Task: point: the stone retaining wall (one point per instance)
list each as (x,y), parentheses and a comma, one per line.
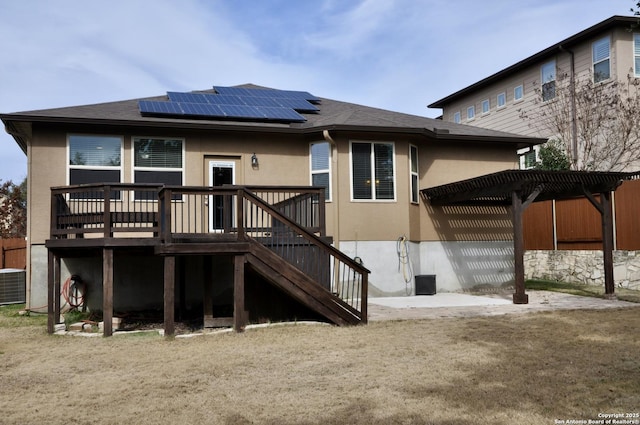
(585,267)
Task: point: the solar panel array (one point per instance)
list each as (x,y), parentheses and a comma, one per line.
(235,103)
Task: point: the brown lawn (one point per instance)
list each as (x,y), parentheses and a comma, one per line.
(518,369)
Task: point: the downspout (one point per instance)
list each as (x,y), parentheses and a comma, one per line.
(574,121)
(335,195)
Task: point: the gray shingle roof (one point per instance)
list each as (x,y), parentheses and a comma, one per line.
(333,115)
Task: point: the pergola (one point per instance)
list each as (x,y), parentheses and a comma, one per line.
(519,188)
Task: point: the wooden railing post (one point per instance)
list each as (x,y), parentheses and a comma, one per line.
(322,213)
(240,213)
(165,212)
(108,231)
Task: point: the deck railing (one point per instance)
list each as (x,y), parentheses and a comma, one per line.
(289,221)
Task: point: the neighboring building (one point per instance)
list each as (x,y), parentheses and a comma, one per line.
(371,162)
(607,51)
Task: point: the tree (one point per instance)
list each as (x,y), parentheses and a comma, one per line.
(553,156)
(597,122)
(13,209)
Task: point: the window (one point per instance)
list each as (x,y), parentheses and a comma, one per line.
(413,172)
(485,106)
(501,100)
(548,79)
(157,161)
(95,159)
(321,167)
(471,113)
(456,117)
(372,171)
(518,93)
(601,51)
(636,54)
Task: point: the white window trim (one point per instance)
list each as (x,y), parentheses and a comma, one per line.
(373,192)
(487,102)
(555,70)
(471,109)
(521,98)
(93,167)
(414,173)
(328,170)
(133,161)
(504,105)
(457,117)
(608,58)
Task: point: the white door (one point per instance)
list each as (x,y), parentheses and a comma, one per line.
(221,173)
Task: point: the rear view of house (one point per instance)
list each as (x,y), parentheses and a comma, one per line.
(242,204)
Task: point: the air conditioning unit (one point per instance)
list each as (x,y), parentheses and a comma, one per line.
(12,286)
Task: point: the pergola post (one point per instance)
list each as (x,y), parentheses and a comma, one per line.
(607,244)
(519,297)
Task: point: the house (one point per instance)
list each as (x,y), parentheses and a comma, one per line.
(226,195)
(515,100)
(511,99)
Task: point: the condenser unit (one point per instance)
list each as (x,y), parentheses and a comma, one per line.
(12,286)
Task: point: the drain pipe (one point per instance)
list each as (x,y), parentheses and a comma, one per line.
(334,195)
(574,123)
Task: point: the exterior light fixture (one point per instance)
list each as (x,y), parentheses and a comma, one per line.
(254,161)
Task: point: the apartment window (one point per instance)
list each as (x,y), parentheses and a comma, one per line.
(548,79)
(372,171)
(518,93)
(501,100)
(94,159)
(485,106)
(321,167)
(601,64)
(157,161)
(456,117)
(471,113)
(413,174)
(636,54)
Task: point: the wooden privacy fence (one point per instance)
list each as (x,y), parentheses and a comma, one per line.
(13,253)
(574,224)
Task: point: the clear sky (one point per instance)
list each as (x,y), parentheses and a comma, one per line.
(399,55)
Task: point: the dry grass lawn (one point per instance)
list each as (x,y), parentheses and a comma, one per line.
(518,369)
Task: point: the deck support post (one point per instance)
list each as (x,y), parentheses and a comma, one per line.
(239,312)
(53,291)
(107,291)
(169,295)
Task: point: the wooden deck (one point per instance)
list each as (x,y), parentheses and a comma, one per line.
(279,232)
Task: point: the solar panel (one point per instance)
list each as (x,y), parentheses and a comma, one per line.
(240,91)
(159,107)
(235,103)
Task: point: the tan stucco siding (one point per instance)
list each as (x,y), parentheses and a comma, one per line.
(449,163)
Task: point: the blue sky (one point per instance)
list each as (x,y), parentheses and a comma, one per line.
(394,54)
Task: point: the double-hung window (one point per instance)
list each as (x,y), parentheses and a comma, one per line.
(601,60)
(501,100)
(518,93)
(485,106)
(94,159)
(548,78)
(471,113)
(636,54)
(413,172)
(372,171)
(321,167)
(158,161)
(456,117)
